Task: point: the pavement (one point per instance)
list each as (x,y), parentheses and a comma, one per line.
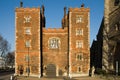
(6,75)
(59,78)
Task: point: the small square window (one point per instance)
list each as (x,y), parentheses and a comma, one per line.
(79,44)
(79,69)
(27,58)
(79,31)
(79,18)
(54,43)
(27,19)
(28,31)
(27,44)
(79,57)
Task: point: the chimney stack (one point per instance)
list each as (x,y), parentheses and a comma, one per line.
(43,9)
(21,4)
(82,5)
(64,11)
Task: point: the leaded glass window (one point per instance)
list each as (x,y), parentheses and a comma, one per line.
(27,19)
(27,31)
(79,18)
(79,44)
(54,43)
(79,56)
(27,43)
(79,31)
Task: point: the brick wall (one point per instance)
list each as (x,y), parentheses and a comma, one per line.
(43,53)
(79,66)
(58,56)
(32,35)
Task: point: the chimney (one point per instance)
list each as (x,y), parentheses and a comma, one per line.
(43,9)
(64,11)
(82,5)
(21,4)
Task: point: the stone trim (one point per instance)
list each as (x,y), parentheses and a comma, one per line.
(70,43)
(59,47)
(15,43)
(79,75)
(55,33)
(39,46)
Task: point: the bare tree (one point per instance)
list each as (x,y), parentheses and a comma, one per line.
(10,59)
(4,49)
(4,46)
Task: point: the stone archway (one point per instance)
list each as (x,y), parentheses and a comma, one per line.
(117,58)
(51,70)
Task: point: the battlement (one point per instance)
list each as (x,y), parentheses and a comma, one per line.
(79,9)
(54,30)
(21,9)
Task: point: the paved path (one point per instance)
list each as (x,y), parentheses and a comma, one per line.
(5,75)
(80,78)
(88,78)
(62,78)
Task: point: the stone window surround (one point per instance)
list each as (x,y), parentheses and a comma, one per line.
(27,19)
(27,58)
(79,69)
(79,19)
(57,38)
(79,57)
(26,32)
(79,44)
(79,31)
(28,45)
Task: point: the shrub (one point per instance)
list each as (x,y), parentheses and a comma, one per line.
(100,71)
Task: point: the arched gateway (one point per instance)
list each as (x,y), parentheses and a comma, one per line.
(51,70)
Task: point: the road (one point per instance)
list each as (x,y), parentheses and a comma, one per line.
(5,75)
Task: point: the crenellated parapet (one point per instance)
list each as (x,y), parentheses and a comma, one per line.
(82,9)
(55,30)
(27,9)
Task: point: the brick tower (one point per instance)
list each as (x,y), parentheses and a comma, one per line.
(79,41)
(27,53)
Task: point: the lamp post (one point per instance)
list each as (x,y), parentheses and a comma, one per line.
(28,68)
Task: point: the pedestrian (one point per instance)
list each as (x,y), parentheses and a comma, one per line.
(11,77)
(93,70)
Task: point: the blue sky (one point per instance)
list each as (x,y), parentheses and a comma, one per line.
(53,12)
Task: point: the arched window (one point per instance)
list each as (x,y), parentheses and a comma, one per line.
(54,43)
(79,69)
